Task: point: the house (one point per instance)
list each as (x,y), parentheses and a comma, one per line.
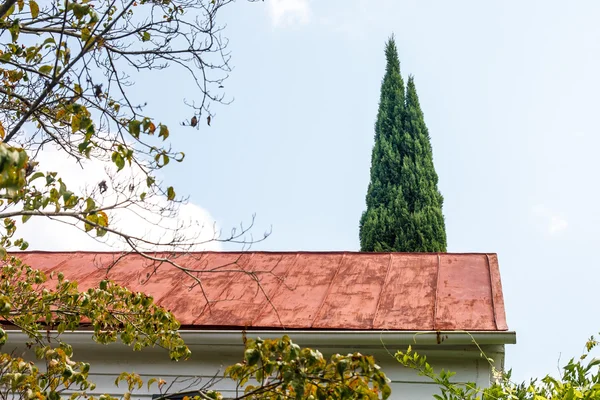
(375,303)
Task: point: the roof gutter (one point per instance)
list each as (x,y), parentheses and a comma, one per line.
(315,338)
(344,338)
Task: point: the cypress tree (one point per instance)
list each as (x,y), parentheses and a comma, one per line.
(404,205)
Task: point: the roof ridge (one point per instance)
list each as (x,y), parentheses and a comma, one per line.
(354,252)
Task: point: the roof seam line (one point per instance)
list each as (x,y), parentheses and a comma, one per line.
(233,275)
(275,291)
(312,324)
(437,284)
(489,265)
(385,281)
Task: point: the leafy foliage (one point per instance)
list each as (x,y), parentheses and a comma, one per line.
(28,301)
(404,206)
(279,369)
(44,307)
(65,72)
(65,83)
(23,379)
(580,379)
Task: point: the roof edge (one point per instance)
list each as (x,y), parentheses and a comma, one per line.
(317,338)
(245,252)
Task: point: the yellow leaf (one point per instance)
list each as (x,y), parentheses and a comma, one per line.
(35,9)
(85,34)
(102,218)
(60,114)
(2,131)
(75,123)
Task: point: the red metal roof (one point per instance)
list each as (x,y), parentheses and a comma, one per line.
(304,290)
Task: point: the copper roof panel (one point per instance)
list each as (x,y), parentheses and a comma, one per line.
(409,294)
(299,298)
(302,290)
(353,294)
(245,295)
(472,296)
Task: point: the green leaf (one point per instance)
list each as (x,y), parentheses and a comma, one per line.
(14,30)
(90,204)
(386,392)
(123,375)
(146,124)
(170,193)
(119,161)
(252,356)
(93,218)
(45,69)
(25,218)
(150,382)
(145,36)
(80,10)
(134,128)
(164,132)
(35,176)
(48,41)
(35,9)
(85,34)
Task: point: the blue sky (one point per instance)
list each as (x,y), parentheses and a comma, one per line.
(510,95)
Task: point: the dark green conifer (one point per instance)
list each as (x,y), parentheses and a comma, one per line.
(404,205)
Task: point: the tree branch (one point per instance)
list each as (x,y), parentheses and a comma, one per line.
(6,6)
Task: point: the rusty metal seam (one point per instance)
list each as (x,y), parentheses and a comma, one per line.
(204,258)
(489,264)
(233,275)
(385,281)
(218,297)
(276,290)
(337,271)
(63,262)
(435,300)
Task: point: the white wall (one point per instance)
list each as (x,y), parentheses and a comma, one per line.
(207,360)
